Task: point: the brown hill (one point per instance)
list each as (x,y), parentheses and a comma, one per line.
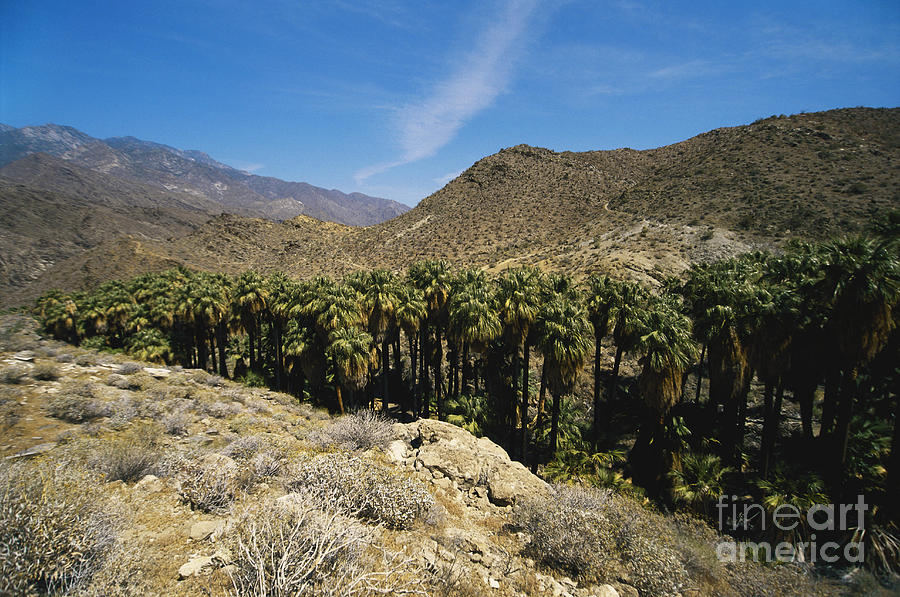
(643,214)
(51,210)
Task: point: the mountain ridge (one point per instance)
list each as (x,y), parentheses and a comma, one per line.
(194,171)
(644,214)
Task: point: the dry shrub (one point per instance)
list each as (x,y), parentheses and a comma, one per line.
(268,463)
(86,360)
(593,534)
(129,455)
(129,368)
(13,374)
(57,528)
(361,430)
(245,447)
(75,403)
(299,550)
(177,423)
(220,410)
(363,488)
(208,488)
(208,379)
(65,357)
(45,372)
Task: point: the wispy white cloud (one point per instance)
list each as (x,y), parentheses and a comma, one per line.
(442,180)
(252,167)
(424,127)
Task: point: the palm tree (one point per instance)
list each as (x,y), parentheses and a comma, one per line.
(352,354)
(698,482)
(281,306)
(433,279)
(59,314)
(861,282)
(564,338)
(381,297)
(411,311)
(668,350)
(518,296)
(628,306)
(249,298)
(472,318)
(601,299)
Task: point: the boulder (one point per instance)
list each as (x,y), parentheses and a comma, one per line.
(446,450)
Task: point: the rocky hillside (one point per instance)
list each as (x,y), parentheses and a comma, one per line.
(639,214)
(51,210)
(162,481)
(194,172)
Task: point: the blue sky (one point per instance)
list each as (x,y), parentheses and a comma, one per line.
(394,98)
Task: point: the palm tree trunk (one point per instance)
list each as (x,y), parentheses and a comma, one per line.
(426,383)
(768,422)
(805,397)
(251,333)
(340,399)
(385,356)
(259,341)
(279,361)
(613,383)
(526,352)
(221,341)
(598,352)
(742,417)
(842,429)
(700,373)
(466,369)
(438,374)
(413,354)
(201,347)
(893,480)
(515,415)
(554,425)
(542,396)
(829,405)
(212,350)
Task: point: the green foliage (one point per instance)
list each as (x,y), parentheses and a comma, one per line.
(698,483)
(253,379)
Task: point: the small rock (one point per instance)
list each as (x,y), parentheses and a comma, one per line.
(396,451)
(627,591)
(203,529)
(493,583)
(157,372)
(605,591)
(33,451)
(194,566)
(149,484)
(24,355)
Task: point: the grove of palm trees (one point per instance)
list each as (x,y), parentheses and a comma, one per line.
(775,377)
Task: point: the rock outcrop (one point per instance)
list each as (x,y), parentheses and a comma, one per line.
(446,451)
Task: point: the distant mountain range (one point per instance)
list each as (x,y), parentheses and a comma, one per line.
(636,214)
(195,173)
